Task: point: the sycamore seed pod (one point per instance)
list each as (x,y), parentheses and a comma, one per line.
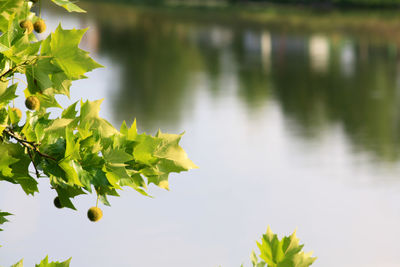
(94,214)
(39,26)
(27,25)
(57,203)
(32,103)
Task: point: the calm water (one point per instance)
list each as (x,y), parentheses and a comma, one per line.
(290,129)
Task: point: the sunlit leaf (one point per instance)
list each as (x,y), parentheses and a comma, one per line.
(68,5)
(286,252)
(45,263)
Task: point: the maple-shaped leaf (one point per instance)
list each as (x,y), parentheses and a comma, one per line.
(63,47)
(283,253)
(170,150)
(162,155)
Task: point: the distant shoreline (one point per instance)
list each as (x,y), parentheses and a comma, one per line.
(373,24)
(326,5)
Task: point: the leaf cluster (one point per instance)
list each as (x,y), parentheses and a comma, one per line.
(80,152)
(45,263)
(3,218)
(286,252)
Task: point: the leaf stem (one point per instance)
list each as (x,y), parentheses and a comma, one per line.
(18,80)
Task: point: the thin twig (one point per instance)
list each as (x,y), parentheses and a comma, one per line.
(23,141)
(45,155)
(27,144)
(25,63)
(33,162)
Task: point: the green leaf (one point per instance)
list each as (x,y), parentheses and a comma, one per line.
(13,116)
(70,172)
(66,192)
(254,260)
(14,167)
(72,147)
(62,46)
(169,149)
(116,157)
(3,219)
(302,260)
(19,264)
(3,216)
(39,75)
(45,263)
(58,126)
(6,161)
(162,155)
(7,94)
(68,5)
(283,253)
(3,119)
(70,112)
(144,150)
(61,83)
(89,119)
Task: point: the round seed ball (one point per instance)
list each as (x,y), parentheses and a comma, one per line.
(39,26)
(94,214)
(27,25)
(57,203)
(32,103)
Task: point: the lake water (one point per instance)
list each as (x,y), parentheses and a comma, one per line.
(291,127)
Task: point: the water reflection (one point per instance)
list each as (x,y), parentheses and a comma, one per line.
(157,61)
(319,53)
(318,80)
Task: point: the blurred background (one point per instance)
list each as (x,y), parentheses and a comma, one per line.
(292,113)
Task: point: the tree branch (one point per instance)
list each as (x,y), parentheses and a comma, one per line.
(26,63)
(29,145)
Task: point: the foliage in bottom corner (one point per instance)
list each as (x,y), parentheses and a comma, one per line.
(3,219)
(3,216)
(286,252)
(45,263)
